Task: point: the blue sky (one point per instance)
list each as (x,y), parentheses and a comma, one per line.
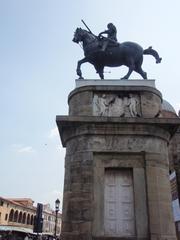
(37,72)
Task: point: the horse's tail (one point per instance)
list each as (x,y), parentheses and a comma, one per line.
(150,51)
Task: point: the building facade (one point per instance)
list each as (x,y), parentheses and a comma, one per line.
(49,218)
(174,165)
(17,216)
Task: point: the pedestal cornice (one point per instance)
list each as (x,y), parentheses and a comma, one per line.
(71,126)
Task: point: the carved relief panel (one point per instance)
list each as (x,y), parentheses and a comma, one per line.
(116,105)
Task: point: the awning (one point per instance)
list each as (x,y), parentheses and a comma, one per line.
(14,228)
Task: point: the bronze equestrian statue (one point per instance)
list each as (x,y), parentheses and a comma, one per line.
(101,52)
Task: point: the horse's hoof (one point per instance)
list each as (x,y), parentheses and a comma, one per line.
(81,78)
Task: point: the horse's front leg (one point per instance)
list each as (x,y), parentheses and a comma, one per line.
(78,70)
(100,70)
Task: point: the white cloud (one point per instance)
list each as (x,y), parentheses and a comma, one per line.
(16,146)
(54,133)
(27,149)
(19,148)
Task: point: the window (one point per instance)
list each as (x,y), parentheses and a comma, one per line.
(20,217)
(1,202)
(16,216)
(32,220)
(28,219)
(6,216)
(11,215)
(24,218)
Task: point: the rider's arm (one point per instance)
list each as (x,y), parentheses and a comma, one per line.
(106,32)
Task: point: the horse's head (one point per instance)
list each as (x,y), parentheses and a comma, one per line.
(78,35)
(84,36)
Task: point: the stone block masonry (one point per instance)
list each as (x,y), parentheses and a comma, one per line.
(116,182)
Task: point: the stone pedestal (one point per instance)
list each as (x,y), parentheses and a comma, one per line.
(116,167)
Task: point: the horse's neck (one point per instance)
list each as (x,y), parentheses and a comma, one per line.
(88,39)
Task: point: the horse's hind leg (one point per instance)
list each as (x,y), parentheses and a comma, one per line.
(131,69)
(128,74)
(142,73)
(139,70)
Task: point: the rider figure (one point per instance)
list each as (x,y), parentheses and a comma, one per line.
(111,36)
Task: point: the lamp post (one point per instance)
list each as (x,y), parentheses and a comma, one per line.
(57,203)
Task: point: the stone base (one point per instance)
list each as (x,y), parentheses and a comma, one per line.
(116,100)
(116,143)
(115,82)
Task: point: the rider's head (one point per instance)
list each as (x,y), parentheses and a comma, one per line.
(110,25)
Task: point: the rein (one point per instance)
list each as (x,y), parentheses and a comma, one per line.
(80,44)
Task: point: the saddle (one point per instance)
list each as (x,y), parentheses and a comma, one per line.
(110,42)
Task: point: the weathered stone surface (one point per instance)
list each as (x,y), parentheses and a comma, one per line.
(150,104)
(96,143)
(126,101)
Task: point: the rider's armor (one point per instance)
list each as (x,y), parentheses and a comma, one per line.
(111,36)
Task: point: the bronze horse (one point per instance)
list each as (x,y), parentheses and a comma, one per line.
(129,54)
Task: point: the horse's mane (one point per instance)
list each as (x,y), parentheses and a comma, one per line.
(89,33)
